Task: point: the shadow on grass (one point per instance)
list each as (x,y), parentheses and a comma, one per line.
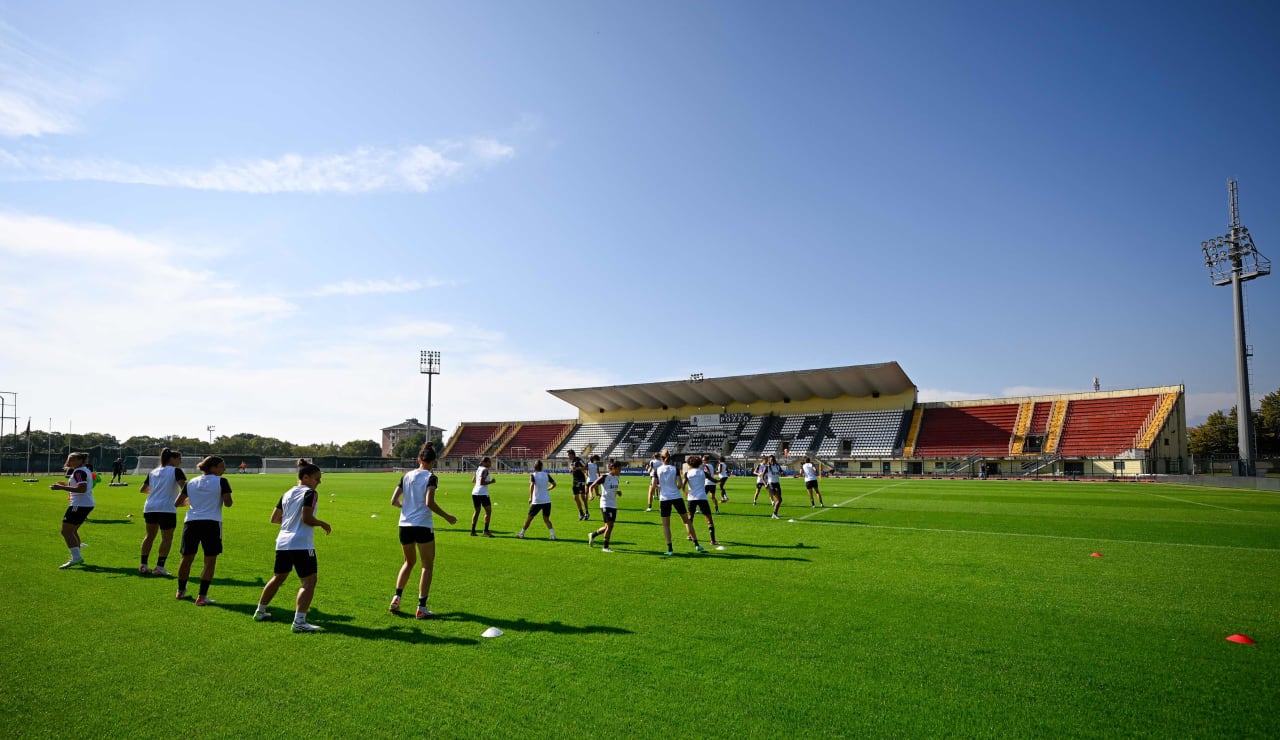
(525,625)
(758,546)
(108,521)
(340,624)
(111,570)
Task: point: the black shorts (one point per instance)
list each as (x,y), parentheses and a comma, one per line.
(477,501)
(579,488)
(76,514)
(811,485)
(608,515)
(675,503)
(302,561)
(709,489)
(776,488)
(203,534)
(699,503)
(417,535)
(166,519)
(544,508)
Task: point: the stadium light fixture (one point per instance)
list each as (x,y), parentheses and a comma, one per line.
(696,378)
(210,429)
(429,365)
(1233,259)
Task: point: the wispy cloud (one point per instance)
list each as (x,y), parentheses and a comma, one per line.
(369,169)
(367,287)
(40,92)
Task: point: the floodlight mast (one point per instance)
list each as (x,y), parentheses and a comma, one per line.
(1232,260)
(429,365)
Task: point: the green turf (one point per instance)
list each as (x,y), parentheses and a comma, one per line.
(915,608)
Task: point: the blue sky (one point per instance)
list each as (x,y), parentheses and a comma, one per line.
(254,215)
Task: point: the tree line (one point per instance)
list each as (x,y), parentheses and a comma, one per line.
(1218,435)
(235,444)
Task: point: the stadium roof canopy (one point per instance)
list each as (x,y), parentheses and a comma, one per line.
(797,385)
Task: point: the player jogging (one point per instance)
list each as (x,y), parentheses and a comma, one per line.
(773,479)
(669,497)
(810,472)
(295,547)
(701,493)
(607,486)
(416,499)
(202,526)
(79,488)
(651,468)
(722,474)
(759,471)
(541,484)
(480,497)
(578,470)
(708,472)
(161,486)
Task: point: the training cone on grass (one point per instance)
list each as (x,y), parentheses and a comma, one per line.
(491,632)
(1242,639)
(1095,554)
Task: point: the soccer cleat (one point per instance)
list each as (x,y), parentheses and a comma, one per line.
(158,571)
(520,535)
(181,595)
(698,548)
(605,549)
(204,601)
(395,605)
(714,543)
(424,613)
(551,537)
(71,562)
(649,509)
(304,627)
(261,616)
(591,539)
(473,533)
(142,570)
(488,534)
(775,516)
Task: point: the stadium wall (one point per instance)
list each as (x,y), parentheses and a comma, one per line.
(903,401)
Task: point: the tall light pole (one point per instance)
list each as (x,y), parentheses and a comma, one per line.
(210,429)
(429,365)
(1233,259)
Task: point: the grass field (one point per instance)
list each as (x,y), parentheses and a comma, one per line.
(913,608)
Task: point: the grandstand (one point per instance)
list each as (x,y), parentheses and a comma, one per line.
(862,419)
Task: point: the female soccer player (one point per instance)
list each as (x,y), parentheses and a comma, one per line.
(759,470)
(811,481)
(773,478)
(669,497)
(202,527)
(700,493)
(651,468)
(722,474)
(416,499)
(710,487)
(79,488)
(541,484)
(161,486)
(578,472)
(296,546)
(607,486)
(480,496)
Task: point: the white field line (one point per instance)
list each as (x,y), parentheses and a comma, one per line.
(855,498)
(1055,537)
(1187,501)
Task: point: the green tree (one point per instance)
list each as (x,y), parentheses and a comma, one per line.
(361,448)
(1216,436)
(1266,423)
(409,446)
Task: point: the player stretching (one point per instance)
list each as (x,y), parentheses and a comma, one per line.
(79,488)
(416,499)
(651,468)
(696,485)
(161,486)
(669,497)
(811,482)
(541,484)
(202,527)
(607,486)
(296,547)
(480,497)
(773,478)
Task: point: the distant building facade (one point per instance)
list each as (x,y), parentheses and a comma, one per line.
(407,428)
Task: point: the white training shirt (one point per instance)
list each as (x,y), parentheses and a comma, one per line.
(163,483)
(759,471)
(722,469)
(668,483)
(414,511)
(609,485)
(296,534)
(75,478)
(697,478)
(205,494)
(593,470)
(773,473)
(541,487)
(481,488)
(652,466)
(810,471)
(711,476)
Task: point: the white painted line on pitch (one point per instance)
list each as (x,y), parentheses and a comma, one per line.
(855,498)
(1188,501)
(1054,537)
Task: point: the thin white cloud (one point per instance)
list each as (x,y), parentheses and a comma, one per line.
(367,287)
(417,169)
(40,92)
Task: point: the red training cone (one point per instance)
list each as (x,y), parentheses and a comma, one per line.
(1242,639)
(1095,554)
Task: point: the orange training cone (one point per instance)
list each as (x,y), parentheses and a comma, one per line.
(1095,554)
(1242,639)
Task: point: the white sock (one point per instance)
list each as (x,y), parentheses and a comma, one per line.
(552,531)
(262,609)
(75,553)
(522,532)
(299,617)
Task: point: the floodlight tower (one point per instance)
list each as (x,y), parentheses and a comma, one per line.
(429,365)
(1233,259)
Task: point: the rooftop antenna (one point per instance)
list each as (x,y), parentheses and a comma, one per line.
(1232,260)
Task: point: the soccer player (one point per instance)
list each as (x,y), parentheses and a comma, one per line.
(773,479)
(722,474)
(593,472)
(811,482)
(700,492)
(161,486)
(295,512)
(117,470)
(669,497)
(709,474)
(416,499)
(480,496)
(202,526)
(759,470)
(579,472)
(607,486)
(651,468)
(79,488)
(541,484)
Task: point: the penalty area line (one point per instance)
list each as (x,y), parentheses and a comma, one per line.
(855,498)
(1188,501)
